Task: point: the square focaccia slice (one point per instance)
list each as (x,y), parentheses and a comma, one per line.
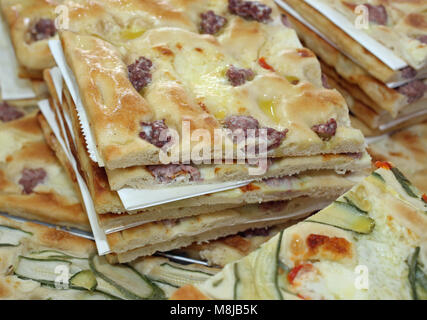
(42,263)
(34,184)
(349,250)
(193,77)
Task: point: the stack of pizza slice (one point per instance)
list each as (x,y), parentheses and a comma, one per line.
(155,85)
(385,87)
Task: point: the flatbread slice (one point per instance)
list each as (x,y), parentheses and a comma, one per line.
(33,183)
(170,234)
(377,228)
(204,111)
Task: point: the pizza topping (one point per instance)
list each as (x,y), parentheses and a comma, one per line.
(238,77)
(414,90)
(31,178)
(326,130)
(408,72)
(169,172)
(424,197)
(250,10)
(383,164)
(325,82)
(140,73)
(423,39)
(274,206)
(43,29)
(285,20)
(354,155)
(306,267)
(240,125)
(264,64)
(377,14)
(9,113)
(339,246)
(275,138)
(260,232)
(152,132)
(211,22)
(238,242)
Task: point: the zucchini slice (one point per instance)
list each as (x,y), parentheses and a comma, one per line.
(84,279)
(236,281)
(41,270)
(129,282)
(417,278)
(11,237)
(404,182)
(344,216)
(177,275)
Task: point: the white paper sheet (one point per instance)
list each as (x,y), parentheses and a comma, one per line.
(12,87)
(402,119)
(99,235)
(70,81)
(134,199)
(383,53)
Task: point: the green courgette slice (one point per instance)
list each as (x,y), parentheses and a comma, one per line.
(84,279)
(236,281)
(417,278)
(45,271)
(128,281)
(344,216)
(177,275)
(404,182)
(11,237)
(378,176)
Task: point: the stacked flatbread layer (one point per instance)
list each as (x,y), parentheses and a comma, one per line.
(361,77)
(147,67)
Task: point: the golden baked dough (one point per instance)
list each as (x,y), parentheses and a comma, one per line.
(33,183)
(324,257)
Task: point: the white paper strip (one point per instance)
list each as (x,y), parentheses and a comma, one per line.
(70,81)
(134,199)
(383,53)
(12,87)
(98,233)
(402,119)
